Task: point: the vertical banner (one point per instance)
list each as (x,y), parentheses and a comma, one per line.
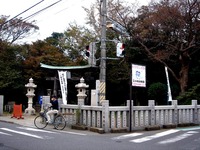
(168,86)
(63,85)
(138,75)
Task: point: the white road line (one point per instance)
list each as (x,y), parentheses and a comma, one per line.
(57,132)
(5,133)
(127,136)
(75,133)
(189,129)
(22,133)
(175,139)
(148,138)
(37,130)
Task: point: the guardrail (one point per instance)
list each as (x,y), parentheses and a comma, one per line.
(111,118)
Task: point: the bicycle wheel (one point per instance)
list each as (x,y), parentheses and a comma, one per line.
(59,122)
(40,122)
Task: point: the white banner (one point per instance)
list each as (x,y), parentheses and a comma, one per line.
(168,86)
(63,85)
(138,75)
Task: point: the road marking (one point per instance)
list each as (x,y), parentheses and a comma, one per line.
(40,130)
(189,129)
(148,138)
(177,138)
(75,133)
(5,133)
(127,136)
(22,133)
(37,130)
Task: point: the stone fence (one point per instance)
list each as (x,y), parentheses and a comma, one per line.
(113,118)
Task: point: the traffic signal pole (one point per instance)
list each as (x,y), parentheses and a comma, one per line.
(102,76)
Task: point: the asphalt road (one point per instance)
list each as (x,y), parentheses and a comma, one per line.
(17,137)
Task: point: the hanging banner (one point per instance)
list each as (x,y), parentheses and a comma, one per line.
(168,86)
(63,85)
(138,75)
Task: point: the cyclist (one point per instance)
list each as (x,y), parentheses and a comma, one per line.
(54,108)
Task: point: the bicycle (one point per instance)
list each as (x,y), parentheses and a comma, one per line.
(59,122)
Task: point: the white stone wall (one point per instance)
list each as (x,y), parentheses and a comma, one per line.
(113,117)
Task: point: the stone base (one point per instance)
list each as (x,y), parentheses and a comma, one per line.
(186,124)
(79,127)
(169,126)
(29,111)
(98,130)
(150,128)
(119,130)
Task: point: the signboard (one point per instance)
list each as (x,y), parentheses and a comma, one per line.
(63,85)
(138,75)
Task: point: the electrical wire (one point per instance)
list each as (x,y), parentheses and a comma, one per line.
(22,12)
(32,15)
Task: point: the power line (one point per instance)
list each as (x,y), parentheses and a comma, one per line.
(41,10)
(22,12)
(30,16)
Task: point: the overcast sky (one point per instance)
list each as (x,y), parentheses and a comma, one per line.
(53,19)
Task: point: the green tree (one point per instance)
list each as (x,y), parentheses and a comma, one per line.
(191,94)
(11,78)
(158,92)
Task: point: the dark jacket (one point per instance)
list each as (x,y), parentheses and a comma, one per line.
(54,104)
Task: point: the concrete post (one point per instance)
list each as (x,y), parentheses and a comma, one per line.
(152,107)
(1,104)
(105,115)
(174,103)
(130,120)
(195,119)
(102,75)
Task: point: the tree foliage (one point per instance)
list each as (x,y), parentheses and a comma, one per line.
(15,29)
(158,92)
(168,31)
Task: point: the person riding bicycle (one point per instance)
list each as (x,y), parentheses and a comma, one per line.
(54,108)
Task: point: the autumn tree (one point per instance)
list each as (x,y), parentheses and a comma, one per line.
(169,31)
(41,52)
(15,29)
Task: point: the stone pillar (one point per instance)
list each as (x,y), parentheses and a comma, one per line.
(174,103)
(1,105)
(49,92)
(81,88)
(195,113)
(152,108)
(130,120)
(105,115)
(30,94)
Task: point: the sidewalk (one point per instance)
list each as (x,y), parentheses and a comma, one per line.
(28,121)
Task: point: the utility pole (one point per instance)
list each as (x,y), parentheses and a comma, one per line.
(103,52)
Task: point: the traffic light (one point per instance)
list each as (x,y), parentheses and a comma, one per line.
(90,53)
(120,49)
(87,51)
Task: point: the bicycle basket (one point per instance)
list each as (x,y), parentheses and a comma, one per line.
(42,114)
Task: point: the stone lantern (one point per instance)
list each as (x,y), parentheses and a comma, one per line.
(30,94)
(81,88)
